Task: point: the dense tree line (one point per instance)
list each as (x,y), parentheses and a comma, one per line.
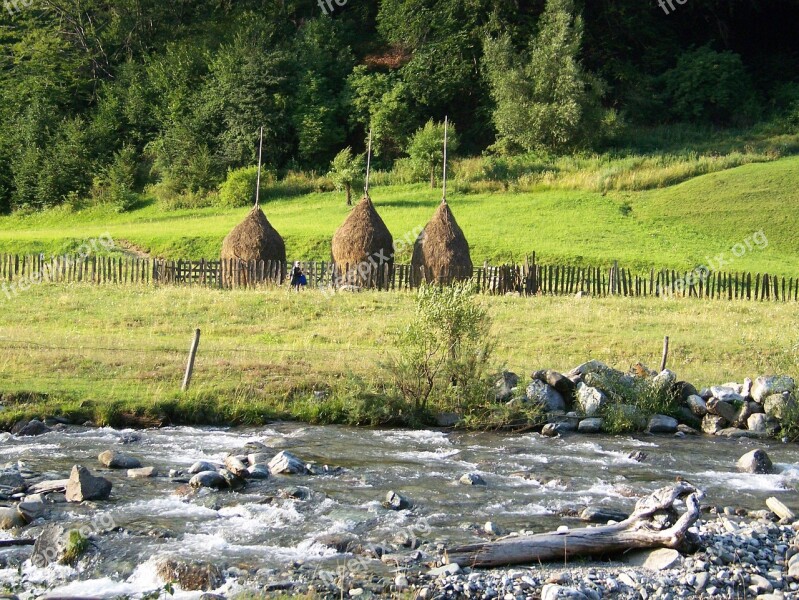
(102,98)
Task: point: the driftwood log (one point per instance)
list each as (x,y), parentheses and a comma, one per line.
(636,532)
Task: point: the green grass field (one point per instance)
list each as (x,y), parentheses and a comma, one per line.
(108,352)
(676,226)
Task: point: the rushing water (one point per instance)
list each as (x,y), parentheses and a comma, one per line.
(531,480)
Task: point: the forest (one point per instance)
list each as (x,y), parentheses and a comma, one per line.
(102,101)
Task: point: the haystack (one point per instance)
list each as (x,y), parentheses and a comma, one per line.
(441,252)
(254,239)
(362,246)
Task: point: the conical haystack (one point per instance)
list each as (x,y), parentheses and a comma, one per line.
(363,249)
(254,239)
(441,252)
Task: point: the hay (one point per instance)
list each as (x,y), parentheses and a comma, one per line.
(254,239)
(441,251)
(363,245)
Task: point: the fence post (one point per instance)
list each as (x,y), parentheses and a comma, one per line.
(190,365)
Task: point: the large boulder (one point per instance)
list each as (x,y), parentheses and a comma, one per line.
(562,384)
(546,396)
(776,404)
(82,485)
(697,405)
(769,385)
(31,428)
(662,424)
(50,546)
(590,399)
(756,461)
(190,575)
(504,385)
(208,479)
(726,393)
(590,425)
(116,460)
(722,409)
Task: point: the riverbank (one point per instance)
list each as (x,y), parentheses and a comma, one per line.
(117,355)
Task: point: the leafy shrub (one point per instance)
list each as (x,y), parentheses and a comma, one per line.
(444,352)
(632,400)
(239,187)
(710,86)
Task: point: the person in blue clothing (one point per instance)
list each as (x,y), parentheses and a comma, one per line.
(298,278)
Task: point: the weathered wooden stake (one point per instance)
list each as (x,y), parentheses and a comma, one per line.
(665,353)
(190,366)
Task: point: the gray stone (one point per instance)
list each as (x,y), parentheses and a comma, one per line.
(697,405)
(32,428)
(10,518)
(722,409)
(258,472)
(726,394)
(82,486)
(590,425)
(590,399)
(395,501)
(779,509)
(235,466)
(190,576)
(546,396)
(259,458)
(447,419)
(143,473)
(746,388)
(116,460)
(445,570)
(286,463)
(712,424)
(558,427)
(756,461)
(504,385)
(776,404)
(592,366)
(233,481)
(769,385)
(471,479)
(662,424)
(12,479)
(30,511)
(687,430)
(664,380)
(756,422)
(208,479)
(49,487)
(594,514)
(201,466)
(562,384)
(734,432)
(49,546)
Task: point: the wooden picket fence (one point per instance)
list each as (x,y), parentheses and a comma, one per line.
(19,272)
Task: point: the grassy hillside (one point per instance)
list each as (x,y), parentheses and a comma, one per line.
(106,352)
(676,226)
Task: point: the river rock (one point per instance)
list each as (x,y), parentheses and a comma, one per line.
(662,424)
(471,479)
(779,509)
(259,458)
(447,419)
(208,479)
(595,514)
(712,424)
(189,575)
(258,472)
(756,461)
(590,425)
(233,481)
(697,405)
(554,591)
(30,511)
(558,427)
(11,518)
(743,414)
(734,432)
(12,480)
(49,487)
(757,422)
(82,485)
(286,462)
(776,404)
(562,384)
(116,460)
(395,501)
(236,466)
(143,473)
(769,385)
(504,386)
(49,546)
(722,409)
(202,466)
(590,399)
(687,429)
(31,428)
(545,395)
(662,559)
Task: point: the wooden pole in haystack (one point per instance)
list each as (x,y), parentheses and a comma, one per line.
(444,193)
(258,181)
(368,164)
